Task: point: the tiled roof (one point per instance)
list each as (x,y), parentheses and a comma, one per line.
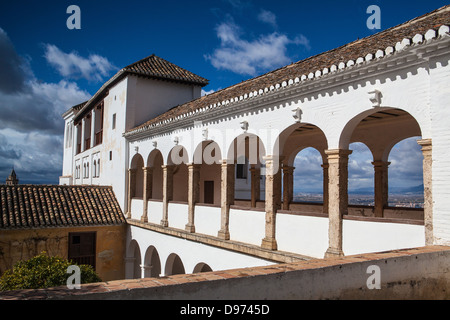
(343,54)
(45,206)
(156,67)
(151,67)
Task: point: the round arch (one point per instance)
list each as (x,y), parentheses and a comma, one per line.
(134,255)
(378,128)
(208,157)
(298,136)
(152,263)
(178,155)
(202,267)
(137,178)
(155,161)
(207,152)
(174,265)
(246,146)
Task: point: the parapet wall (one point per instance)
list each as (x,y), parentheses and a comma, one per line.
(418,273)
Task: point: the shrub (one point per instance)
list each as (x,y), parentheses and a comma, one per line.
(43,271)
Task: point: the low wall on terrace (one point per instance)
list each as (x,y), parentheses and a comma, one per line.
(417,273)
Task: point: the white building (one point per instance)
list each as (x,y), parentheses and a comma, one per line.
(206,182)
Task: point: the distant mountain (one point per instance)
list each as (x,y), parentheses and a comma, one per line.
(393,190)
(369,190)
(413,190)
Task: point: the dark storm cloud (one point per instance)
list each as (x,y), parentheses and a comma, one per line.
(12,76)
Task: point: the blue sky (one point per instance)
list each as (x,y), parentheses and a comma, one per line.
(50,68)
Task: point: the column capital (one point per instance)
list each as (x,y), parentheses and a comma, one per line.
(288,169)
(194,166)
(380,163)
(424,142)
(227,162)
(426,145)
(337,153)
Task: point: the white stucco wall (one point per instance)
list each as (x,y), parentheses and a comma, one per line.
(190,252)
(369,236)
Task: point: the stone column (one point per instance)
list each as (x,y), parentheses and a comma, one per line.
(338,198)
(381,186)
(288,186)
(427,189)
(255,184)
(325,187)
(193,194)
(131,189)
(167,193)
(146,192)
(226,198)
(273,200)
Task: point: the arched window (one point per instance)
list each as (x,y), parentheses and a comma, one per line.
(98,167)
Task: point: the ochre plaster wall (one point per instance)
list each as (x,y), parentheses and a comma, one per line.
(18,245)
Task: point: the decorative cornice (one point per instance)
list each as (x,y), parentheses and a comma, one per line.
(406,51)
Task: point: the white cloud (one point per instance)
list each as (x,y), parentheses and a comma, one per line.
(268,17)
(205,93)
(250,57)
(31,126)
(72,65)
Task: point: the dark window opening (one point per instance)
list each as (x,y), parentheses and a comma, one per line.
(82,248)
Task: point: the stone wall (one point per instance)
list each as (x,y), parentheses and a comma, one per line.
(418,273)
(16,245)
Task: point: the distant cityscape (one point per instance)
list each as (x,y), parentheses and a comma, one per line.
(413,200)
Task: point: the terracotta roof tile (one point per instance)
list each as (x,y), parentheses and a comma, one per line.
(38,206)
(156,67)
(351,51)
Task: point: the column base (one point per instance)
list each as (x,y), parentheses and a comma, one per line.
(129,215)
(223,234)
(270,244)
(190,228)
(334,253)
(164,223)
(144,219)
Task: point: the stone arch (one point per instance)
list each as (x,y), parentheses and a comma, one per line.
(202,267)
(152,263)
(298,136)
(208,157)
(309,175)
(174,265)
(137,176)
(361,127)
(358,178)
(178,158)
(291,142)
(246,145)
(134,260)
(155,161)
(247,152)
(380,129)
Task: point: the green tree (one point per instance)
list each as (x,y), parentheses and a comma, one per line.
(43,271)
